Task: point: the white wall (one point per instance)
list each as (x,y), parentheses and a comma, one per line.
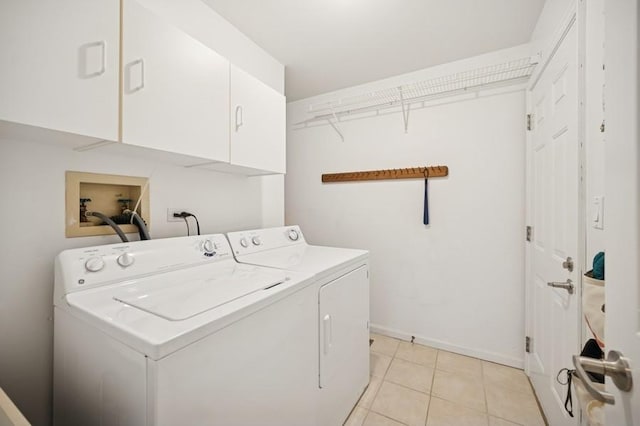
(32,220)
(458,283)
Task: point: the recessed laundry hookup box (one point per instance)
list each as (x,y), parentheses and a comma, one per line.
(107,194)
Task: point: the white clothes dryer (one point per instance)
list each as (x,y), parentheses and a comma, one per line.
(176,332)
(342,285)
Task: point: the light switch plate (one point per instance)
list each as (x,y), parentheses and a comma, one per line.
(597,212)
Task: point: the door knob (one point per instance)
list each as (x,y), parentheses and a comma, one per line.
(616,366)
(568,285)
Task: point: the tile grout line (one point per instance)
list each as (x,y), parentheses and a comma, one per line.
(484,390)
(375,395)
(398,384)
(487,401)
(430,393)
(386,417)
(433,379)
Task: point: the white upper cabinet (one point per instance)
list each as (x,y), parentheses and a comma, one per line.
(175,90)
(60,65)
(258,116)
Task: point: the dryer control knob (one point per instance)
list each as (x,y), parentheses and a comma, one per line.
(293,235)
(244,243)
(256,241)
(125,260)
(208,246)
(94,264)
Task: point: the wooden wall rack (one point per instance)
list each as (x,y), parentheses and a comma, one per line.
(384,174)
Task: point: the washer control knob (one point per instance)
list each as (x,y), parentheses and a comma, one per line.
(94,264)
(293,235)
(125,259)
(256,241)
(244,243)
(208,246)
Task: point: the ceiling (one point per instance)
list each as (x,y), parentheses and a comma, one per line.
(331,44)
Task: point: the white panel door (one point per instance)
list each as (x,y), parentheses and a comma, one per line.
(258,119)
(622,177)
(553,316)
(344,345)
(175,89)
(60,65)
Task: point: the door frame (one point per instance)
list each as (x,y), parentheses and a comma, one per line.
(575,15)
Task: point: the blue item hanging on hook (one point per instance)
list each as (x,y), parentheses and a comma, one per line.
(425,217)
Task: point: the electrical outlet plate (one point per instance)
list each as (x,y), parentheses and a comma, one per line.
(171,211)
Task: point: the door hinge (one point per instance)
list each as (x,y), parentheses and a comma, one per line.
(529,123)
(527,344)
(529,233)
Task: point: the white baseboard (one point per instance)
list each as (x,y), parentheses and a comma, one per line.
(439,344)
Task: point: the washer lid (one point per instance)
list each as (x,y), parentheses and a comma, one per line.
(184,299)
(158,315)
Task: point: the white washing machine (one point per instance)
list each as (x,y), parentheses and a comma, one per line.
(176,332)
(342,286)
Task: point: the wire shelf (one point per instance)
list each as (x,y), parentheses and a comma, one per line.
(512,72)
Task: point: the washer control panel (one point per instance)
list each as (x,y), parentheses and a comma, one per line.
(78,269)
(257,240)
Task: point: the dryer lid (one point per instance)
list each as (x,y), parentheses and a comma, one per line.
(182,300)
(305,258)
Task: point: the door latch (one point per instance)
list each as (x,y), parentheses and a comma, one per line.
(568,264)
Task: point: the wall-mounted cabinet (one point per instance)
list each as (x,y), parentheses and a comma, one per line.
(60,65)
(257,143)
(258,129)
(89,68)
(175,90)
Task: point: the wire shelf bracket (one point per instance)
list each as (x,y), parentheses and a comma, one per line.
(403,97)
(335,125)
(405,110)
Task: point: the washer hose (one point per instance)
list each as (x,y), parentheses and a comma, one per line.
(142,227)
(111,223)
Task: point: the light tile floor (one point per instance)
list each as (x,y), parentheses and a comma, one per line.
(413,384)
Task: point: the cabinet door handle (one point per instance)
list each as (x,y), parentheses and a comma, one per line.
(103,57)
(326,324)
(133,64)
(239,120)
(103,45)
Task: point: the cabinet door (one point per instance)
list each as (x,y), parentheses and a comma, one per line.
(175,89)
(60,65)
(258,116)
(344,345)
